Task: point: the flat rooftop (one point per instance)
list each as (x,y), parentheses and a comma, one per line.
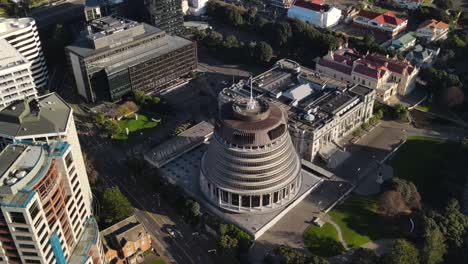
(8,157)
(47,114)
(185,172)
(183,142)
(22,166)
(110,33)
(310,98)
(9,56)
(9,25)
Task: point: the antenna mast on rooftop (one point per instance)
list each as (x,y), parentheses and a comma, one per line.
(251,104)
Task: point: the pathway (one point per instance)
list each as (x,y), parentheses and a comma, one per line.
(338,230)
(382,246)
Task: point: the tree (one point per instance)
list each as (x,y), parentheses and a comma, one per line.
(234,17)
(452,97)
(192,211)
(408,192)
(317,260)
(230,42)
(111,127)
(115,206)
(282,33)
(434,247)
(402,252)
(453,223)
(139,97)
(227,242)
(365,256)
(90,170)
(264,52)
(444,4)
(252,13)
(400,111)
(214,39)
(100,119)
(391,204)
(290,256)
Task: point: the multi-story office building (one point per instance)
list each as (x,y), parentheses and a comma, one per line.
(321,109)
(44,217)
(95,9)
(16,82)
(45,119)
(166,15)
(120,56)
(22,34)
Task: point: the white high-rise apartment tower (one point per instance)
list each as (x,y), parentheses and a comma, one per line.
(22,34)
(16,82)
(45,197)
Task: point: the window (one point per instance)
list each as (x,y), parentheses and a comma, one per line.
(24,238)
(275,197)
(22,229)
(256,201)
(32,261)
(266,199)
(33,210)
(235,199)
(245,201)
(68,159)
(27,246)
(17,218)
(30,254)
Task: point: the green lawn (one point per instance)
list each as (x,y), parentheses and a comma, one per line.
(133,125)
(359,221)
(157,261)
(323,241)
(436,166)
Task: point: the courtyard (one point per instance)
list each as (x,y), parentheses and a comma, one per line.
(134,124)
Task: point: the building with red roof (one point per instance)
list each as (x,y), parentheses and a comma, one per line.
(387,23)
(315,12)
(388,76)
(433,30)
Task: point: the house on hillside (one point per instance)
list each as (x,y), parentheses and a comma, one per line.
(423,56)
(432,30)
(387,23)
(404,42)
(315,12)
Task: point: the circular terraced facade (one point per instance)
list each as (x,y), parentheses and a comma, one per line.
(251,165)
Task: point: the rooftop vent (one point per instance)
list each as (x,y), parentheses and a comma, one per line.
(12,180)
(20,174)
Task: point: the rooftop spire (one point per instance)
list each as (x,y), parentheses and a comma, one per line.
(251,104)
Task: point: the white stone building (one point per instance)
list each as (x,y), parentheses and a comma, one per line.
(16,82)
(315,12)
(22,34)
(321,109)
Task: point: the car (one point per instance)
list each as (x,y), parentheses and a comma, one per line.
(170,231)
